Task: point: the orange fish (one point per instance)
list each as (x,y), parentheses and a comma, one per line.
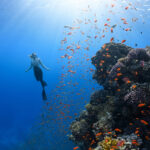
(119,74)
(69,57)
(101,64)
(128,29)
(98,134)
(126,7)
(116,79)
(111,30)
(141,105)
(136,73)
(144,122)
(130,124)
(96,36)
(118,90)
(114,147)
(123,41)
(112,5)
(105,24)
(104,46)
(68,47)
(118,69)
(135,143)
(78,46)
(133,86)
(125,22)
(112,39)
(118,130)
(69,33)
(75,147)
(108,19)
(103,36)
(128,81)
(136,132)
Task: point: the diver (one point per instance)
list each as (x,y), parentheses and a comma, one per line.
(35,63)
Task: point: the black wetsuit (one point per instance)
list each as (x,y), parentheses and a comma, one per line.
(39,77)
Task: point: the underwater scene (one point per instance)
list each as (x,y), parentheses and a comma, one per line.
(75,74)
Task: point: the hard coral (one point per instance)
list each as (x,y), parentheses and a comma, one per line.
(122,104)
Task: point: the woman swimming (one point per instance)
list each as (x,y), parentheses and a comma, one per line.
(35,63)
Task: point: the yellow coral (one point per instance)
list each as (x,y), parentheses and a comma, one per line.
(109,143)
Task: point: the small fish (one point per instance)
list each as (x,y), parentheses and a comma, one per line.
(126,7)
(98,134)
(111,30)
(116,79)
(141,105)
(128,29)
(114,26)
(75,147)
(69,57)
(125,22)
(118,69)
(96,36)
(144,122)
(134,86)
(70,33)
(102,61)
(123,41)
(103,36)
(104,46)
(118,130)
(119,74)
(134,142)
(112,39)
(128,81)
(68,47)
(112,5)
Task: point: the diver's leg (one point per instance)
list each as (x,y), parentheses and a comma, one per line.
(39,76)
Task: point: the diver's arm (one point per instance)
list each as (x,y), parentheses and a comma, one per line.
(43,65)
(29,68)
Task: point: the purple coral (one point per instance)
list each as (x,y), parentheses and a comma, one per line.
(138,53)
(114,71)
(135,96)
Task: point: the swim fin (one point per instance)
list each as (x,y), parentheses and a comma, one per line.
(44,95)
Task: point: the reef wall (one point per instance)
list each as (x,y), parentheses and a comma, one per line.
(117,117)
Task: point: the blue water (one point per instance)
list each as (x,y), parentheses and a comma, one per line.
(28,26)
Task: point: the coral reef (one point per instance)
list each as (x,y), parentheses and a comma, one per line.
(119,113)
